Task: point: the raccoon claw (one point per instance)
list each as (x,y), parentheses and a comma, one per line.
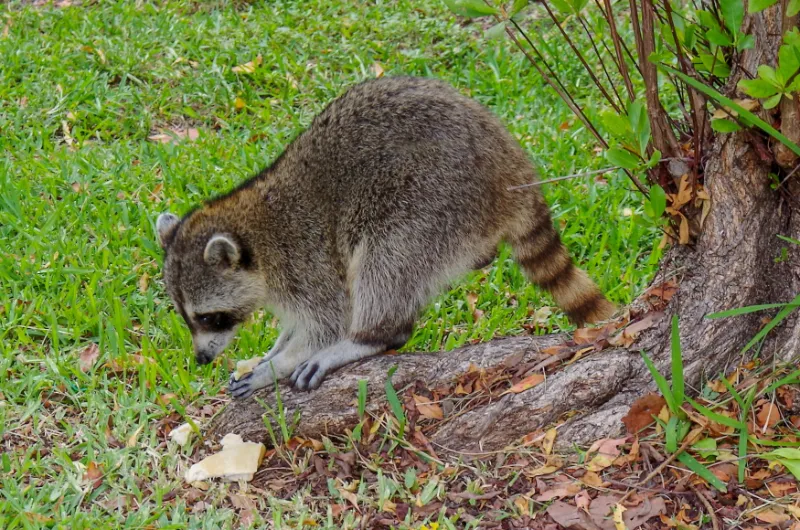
(243,387)
(308,376)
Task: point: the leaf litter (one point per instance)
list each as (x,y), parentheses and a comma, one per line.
(362,480)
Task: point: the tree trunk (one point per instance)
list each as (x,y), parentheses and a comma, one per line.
(732,264)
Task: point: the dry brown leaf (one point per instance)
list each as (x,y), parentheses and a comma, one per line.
(724,472)
(241,502)
(377,70)
(93,475)
(630,333)
(428,409)
(88,357)
(642,411)
(768,416)
(684,230)
(549,440)
(773,516)
(590,478)
(725,112)
(556,493)
(174,135)
(527,383)
(144,281)
(131,363)
(522,504)
(582,500)
(248,67)
(618,510)
(569,516)
(544,470)
(134,438)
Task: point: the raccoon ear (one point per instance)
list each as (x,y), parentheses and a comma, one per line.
(223,251)
(165,226)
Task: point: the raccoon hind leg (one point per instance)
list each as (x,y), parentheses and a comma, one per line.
(547,263)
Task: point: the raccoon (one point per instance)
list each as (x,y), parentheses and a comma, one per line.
(398,187)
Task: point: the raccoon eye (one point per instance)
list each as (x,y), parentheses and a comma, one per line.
(215,321)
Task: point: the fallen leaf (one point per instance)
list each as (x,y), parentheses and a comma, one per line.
(619,523)
(241,502)
(768,416)
(582,500)
(427,409)
(607,451)
(132,440)
(88,357)
(590,478)
(93,475)
(527,383)
(557,493)
(165,399)
(549,440)
(642,412)
(144,280)
(773,516)
(544,470)
(174,135)
(248,67)
(131,362)
(522,504)
(630,333)
(724,472)
(569,516)
(377,69)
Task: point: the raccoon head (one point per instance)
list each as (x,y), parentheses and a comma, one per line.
(212,281)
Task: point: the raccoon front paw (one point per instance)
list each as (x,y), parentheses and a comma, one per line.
(246,385)
(309,375)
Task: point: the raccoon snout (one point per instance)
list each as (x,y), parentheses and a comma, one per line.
(204,357)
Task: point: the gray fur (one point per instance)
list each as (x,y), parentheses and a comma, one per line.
(398,187)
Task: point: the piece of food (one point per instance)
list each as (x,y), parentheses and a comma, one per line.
(238,460)
(245,367)
(180,435)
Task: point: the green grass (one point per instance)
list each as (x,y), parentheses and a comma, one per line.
(82,89)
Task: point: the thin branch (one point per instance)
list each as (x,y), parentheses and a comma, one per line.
(579,55)
(566,177)
(600,57)
(615,38)
(556,85)
(662,134)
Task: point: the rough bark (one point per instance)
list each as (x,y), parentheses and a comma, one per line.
(733,264)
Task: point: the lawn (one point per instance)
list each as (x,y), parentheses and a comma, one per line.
(113,112)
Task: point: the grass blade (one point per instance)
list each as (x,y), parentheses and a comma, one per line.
(745,310)
(394,401)
(713,416)
(661,382)
(702,471)
(782,314)
(744,113)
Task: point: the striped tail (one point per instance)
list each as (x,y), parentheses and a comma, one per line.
(546,262)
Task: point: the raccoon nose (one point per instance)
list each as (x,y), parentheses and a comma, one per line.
(203,357)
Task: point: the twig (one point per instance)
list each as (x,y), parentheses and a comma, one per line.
(709,508)
(555,84)
(566,177)
(686,443)
(580,57)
